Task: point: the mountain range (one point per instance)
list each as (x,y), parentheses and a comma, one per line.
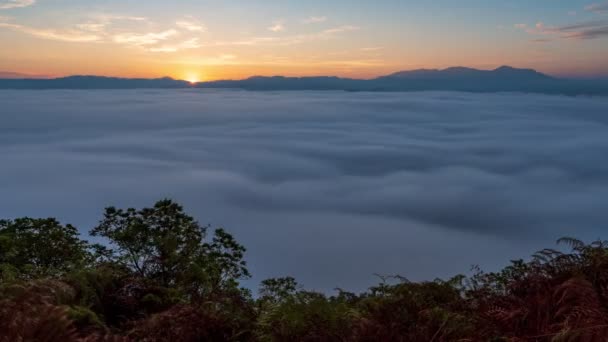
(503,79)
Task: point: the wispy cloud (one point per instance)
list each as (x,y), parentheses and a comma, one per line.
(277,26)
(100,23)
(59,35)
(151,41)
(372,49)
(584,30)
(288,40)
(92,26)
(140,32)
(340,29)
(597,32)
(309,61)
(102,28)
(192,43)
(118,17)
(251,41)
(191,25)
(314,20)
(223,59)
(89,31)
(8,4)
(601,7)
(140,39)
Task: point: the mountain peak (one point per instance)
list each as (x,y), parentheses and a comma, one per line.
(464,72)
(459,69)
(509,71)
(506,68)
(504,78)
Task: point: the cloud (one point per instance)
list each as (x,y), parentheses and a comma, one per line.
(341,29)
(9,4)
(521,26)
(99,28)
(190,25)
(598,32)
(586,30)
(223,59)
(192,43)
(68,35)
(372,49)
(100,23)
(601,7)
(582,31)
(141,32)
(251,41)
(380,180)
(120,29)
(314,20)
(277,26)
(92,26)
(140,39)
(330,33)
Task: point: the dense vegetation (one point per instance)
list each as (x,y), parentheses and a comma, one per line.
(161,276)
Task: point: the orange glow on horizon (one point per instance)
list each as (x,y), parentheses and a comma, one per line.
(205,73)
(191,76)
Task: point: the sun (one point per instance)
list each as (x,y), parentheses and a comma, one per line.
(193,78)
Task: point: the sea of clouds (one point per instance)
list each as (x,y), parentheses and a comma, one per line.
(329,187)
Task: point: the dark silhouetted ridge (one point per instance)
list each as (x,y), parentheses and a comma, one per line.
(502,79)
(92,82)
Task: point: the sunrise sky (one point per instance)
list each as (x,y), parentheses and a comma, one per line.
(215,39)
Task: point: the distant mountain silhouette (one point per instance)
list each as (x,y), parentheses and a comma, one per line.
(13,75)
(289,83)
(92,82)
(502,79)
(469,73)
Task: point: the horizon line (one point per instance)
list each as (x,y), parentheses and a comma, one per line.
(31,76)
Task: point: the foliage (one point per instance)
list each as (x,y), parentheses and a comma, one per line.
(278,289)
(32,312)
(415,312)
(167,247)
(156,243)
(33,248)
(160,277)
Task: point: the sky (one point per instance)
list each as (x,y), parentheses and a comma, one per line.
(201,40)
(328,187)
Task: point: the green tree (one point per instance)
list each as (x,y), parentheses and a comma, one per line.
(167,246)
(222,260)
(34,248)
(278,289)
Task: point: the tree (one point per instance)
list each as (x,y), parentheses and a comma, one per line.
(223,260)
(165,245)
(157,243)
(278,289)
(41,247)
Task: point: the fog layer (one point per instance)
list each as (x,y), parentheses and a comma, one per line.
(329,187)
